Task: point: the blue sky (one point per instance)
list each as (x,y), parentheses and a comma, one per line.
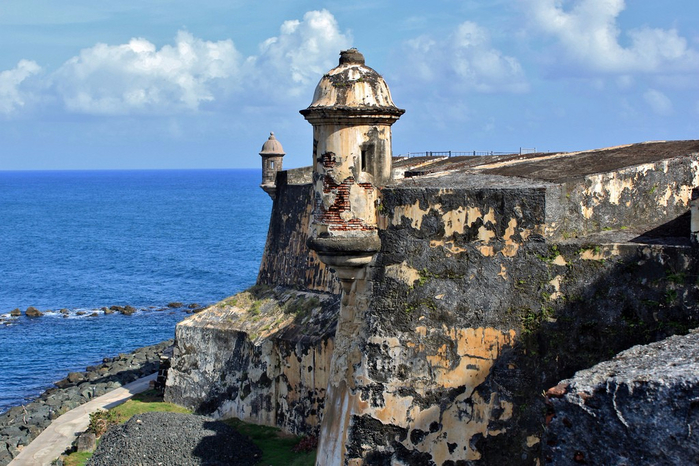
(90,84)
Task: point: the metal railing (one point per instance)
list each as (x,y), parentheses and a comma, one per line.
(472,153)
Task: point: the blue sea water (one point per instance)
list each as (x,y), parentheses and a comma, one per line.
(81,240)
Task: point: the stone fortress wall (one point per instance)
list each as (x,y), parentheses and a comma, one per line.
(496,278)
(287,260)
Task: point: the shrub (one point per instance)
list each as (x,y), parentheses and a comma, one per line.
(100,422)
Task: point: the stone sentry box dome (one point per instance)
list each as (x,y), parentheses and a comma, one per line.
(272,154)
(351,113)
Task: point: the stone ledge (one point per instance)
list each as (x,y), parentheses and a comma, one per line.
(639,408)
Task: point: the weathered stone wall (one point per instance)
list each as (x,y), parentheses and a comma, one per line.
(631,187)
(287,260)
(489,288)
(494,220)
(262,356)
(468,316)
(639,196)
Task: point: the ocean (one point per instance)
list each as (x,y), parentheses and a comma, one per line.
(83,240)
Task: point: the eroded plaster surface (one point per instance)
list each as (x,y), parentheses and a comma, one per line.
(261,356)
(482,296)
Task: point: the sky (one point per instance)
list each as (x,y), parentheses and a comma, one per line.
(160,84)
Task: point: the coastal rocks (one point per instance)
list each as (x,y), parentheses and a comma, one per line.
(75,378)
(33,312)
(14,316)
(127,310)
(640,408)
(21,424)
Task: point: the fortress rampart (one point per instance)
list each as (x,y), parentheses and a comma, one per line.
(495,278)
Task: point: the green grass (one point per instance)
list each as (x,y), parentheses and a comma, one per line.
(275,445)
(146,402)
(77,459)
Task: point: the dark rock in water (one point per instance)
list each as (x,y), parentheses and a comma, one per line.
(64,311)
(127,310)
(197,310)
(80,313)
(173,438)
(75,377)
(86,442)
(33,312)
(175,305)
(193,306)
(15,313)
(639,408)
(94,314)
(107,311)
(63,383)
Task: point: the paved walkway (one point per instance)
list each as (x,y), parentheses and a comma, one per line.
(60,434)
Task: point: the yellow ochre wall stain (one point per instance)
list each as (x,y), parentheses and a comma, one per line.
(464,362)
(459,220)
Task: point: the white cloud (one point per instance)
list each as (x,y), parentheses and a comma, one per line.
(12,94)
(658,102)
(465,60)
(588,37)
(136,77)
(301,53)
(187,75)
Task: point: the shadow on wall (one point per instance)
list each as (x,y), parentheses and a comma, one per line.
(572,305)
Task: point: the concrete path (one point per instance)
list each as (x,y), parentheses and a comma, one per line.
(60,434)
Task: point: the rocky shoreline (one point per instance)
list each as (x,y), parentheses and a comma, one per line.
(13,317)
(21,424)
